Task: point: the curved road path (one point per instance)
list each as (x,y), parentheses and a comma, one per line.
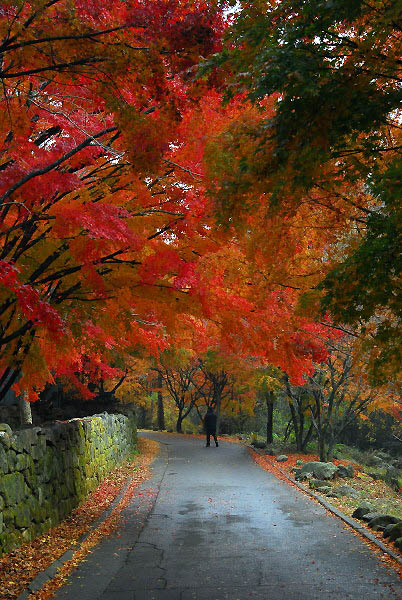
(211,524)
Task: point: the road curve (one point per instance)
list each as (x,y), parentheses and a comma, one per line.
(211,524)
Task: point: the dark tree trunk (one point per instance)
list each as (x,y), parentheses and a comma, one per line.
(161,409)
(322,447)
(296,426)
(25,410)
(218,414)
(151,412)
(269,399)
(288,430)
(142,417)
(179,422)
(307,438)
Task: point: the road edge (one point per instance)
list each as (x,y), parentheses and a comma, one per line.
(47,574)
(348,520)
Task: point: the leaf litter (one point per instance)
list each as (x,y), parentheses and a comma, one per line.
(19,567)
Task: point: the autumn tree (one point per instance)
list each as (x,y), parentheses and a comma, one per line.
(225,382)
(87,195)
(268,386)
(114,160)
(177,370)
(300,406)
(337,393)
(325,80)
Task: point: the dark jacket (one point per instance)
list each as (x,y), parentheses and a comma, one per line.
(210,422)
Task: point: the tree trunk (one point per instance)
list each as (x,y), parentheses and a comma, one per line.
(142,417)
(25,410)
(151,411)
(296,426)
(307,438)
(161,409)
(322,447)
(218,414)
(269,399)
(179,422)
(287,431)
(330,447)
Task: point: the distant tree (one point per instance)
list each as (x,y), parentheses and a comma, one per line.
(337,393)
(177,370)
(300,404)
(268,386)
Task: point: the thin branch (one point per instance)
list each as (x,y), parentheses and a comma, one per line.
(16,203)
(56,163)
(81,61)
(57,38)
(169,162)
(340,329)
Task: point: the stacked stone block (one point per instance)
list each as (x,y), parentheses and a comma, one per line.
(45,472)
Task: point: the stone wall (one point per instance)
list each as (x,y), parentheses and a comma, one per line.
(45,472)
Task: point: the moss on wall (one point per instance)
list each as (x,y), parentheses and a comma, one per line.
(45,472)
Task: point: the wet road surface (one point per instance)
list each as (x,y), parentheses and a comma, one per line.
(211,524)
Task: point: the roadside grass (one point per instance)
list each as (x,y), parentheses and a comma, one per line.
(19,567)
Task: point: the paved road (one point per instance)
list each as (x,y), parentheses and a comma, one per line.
(212,525)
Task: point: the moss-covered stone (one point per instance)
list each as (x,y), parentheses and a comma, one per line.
(13,488)
(394,531)
(36,452)
(67,460)
(35,509)
(28,438)
(22,515)
(3,460)
(69,479)
(31,478)
(47,490)
(21,461)
(6,440)
(6,428)
(64,491)
(45,473)
(9,518)
(28,535)
(12,460)
(9,540)
(54,517)
(46,465)
(46,509)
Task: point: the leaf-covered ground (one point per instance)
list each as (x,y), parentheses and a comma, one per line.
(378,493)
(21,566)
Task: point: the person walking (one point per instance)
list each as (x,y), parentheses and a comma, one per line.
(210,421)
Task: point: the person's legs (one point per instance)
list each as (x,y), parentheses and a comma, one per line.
(208,439)
(216,440)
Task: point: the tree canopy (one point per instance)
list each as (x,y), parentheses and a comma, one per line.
(173,178)
(324,79)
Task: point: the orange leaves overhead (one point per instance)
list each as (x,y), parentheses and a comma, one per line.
(115,166)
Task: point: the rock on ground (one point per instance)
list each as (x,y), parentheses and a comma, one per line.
(321,470)
(363,509)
